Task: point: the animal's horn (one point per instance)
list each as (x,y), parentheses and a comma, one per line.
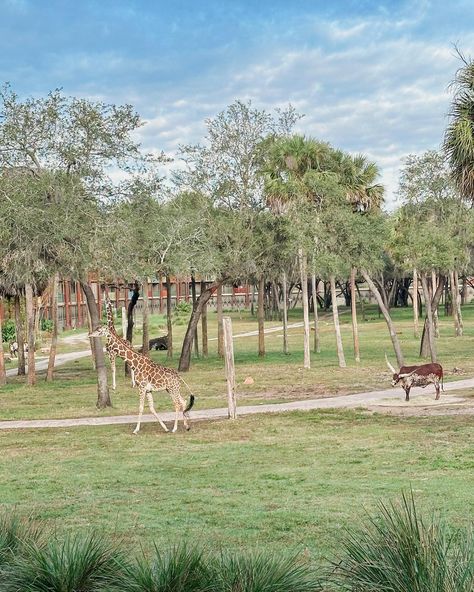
(390,367)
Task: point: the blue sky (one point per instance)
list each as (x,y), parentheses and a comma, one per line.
(370,77)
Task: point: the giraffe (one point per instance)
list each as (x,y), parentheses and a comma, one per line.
(149,377)
(108,347)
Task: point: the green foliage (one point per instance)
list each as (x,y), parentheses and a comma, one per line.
(400,550)
(459,136)
(46,325)
(261,572)
(180,569)
(181,313)
(8,331)
(15,533)
(78,563)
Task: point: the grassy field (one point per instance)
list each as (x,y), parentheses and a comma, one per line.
(277,377)
(290,481)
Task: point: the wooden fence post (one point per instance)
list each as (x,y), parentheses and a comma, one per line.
(229,366)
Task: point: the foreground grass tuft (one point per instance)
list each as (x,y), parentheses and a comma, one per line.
(260,572)
(181,569)
(15,533)
(77,564)
(401,551)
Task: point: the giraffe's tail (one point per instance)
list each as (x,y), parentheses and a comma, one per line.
(190,404)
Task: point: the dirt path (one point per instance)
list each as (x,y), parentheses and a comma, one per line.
(388,400)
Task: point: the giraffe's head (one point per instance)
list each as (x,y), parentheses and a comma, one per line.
(102,331)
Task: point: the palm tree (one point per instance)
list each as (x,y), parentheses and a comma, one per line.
(459,136)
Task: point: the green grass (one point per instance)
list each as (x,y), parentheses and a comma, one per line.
(277,377)
(284,482)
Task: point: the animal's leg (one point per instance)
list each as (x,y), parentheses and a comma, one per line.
(140,409)
(149,397)
(132,374)
(185,415)
(179,405)
(437,389)
(407,393)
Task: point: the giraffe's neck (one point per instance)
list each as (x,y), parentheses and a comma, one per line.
(110,315)
(122,349)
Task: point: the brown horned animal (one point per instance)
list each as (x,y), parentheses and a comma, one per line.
(422,375)
(148,377)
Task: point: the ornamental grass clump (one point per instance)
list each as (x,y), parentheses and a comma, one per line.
(76,564)
(260,572)
(180,569)
(400,551)
(15,533)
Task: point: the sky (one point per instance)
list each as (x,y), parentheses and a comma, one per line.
(369,77)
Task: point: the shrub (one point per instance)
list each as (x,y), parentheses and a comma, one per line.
(261,572)
(181,313)
(15,533)
(181,569)
(76,564)
(400,551)
(8,331)
(47,325)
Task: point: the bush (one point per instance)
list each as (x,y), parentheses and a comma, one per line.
(181,569)
(8,331)
(77,564)
(400,551)
(47,325)
(181,313)
(15,534)
(261,572)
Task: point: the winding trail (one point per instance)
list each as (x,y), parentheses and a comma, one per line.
(358,400)
(371,399)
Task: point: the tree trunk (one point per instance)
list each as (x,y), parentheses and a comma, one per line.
(429,316)
(304,287)
(91,339)
(3,374)
(424,345)
(261,317)
(169,317)
(130,322)
(20,337)
(314,289)
(464,291)
(220,328)
(284,288)
(337,327)
(103,396)
(454,303)
(205,347)
(185,358)
(416,324)
(54,336)
(391,327)
(146,319)
(355,328)
(434,311)
(193,295)
(30,320)
(457,304)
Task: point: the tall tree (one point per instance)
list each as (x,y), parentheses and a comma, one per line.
(459,136)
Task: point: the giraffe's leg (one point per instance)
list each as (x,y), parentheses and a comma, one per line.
(149,397)
(132,374)
(176,417)
(140,409)
(185,415)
